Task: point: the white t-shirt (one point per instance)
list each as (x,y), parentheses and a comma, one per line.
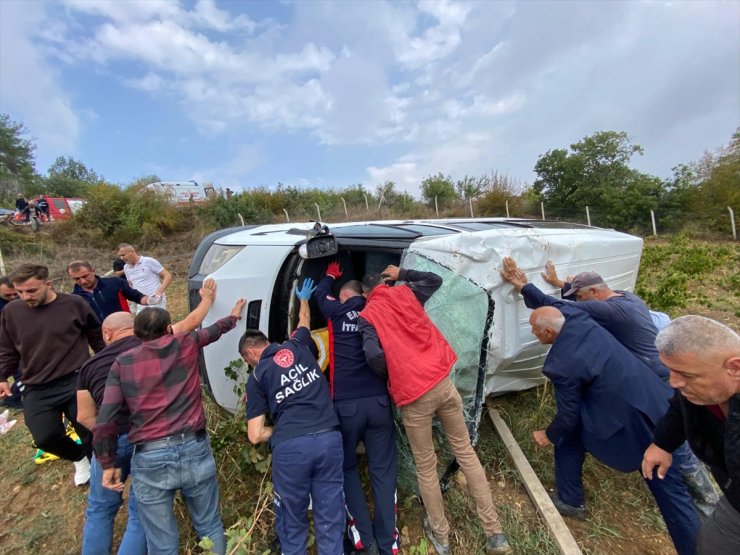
(144,275)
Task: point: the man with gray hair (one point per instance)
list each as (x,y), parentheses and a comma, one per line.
(626,317)
(607,405)
(703,357)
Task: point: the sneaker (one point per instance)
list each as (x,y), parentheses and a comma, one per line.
(567,510)
(82,471)
(440,548)
(497,544)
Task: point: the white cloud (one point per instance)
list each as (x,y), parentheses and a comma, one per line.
(29,87)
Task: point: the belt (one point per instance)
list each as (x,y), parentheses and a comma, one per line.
(325,431)
(169,441)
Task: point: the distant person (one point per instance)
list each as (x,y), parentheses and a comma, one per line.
(404,346)
(607,405)
(21,204)
(105,295)
(118,269)
(158,382)
(145,274)
(103,503)
(49,335)
(42,205)
(365,414)
(15,401)
(626,317)
(306,444)
(704,359)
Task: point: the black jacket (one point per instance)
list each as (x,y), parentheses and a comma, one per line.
(715,443)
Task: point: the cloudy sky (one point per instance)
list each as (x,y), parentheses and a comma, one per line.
(334,93)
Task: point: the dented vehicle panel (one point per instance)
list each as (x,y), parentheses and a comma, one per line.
(481,316)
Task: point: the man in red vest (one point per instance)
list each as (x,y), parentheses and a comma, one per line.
(403,345)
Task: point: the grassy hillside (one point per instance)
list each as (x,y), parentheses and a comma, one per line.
(43,512)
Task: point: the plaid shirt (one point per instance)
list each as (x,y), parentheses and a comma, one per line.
(159,384)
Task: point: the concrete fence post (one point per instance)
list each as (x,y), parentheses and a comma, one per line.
(507,209)
(367,206)
(316,204)
(732,223)
(652,217)
(346,214)
(470,200)
(436,208)
(542,208)
(287,218)
(241,219)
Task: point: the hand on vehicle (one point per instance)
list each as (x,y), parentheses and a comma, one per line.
(304,293)
(511,273)
(5,389)
(238,307)
(208,290)
(334,270)
(540,438)
(391,273)
(655,456)
(550,275)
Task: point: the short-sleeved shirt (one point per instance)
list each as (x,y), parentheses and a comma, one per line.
(289,384)
(144,275)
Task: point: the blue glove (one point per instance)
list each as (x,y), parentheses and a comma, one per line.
(304,293)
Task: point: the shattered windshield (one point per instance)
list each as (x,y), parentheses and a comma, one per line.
(463,313)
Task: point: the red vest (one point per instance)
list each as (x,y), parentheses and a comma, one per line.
(416,353)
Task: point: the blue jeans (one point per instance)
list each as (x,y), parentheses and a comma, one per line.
(102,507)
(158,475)
(309,465)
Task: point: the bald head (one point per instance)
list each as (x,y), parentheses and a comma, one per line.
(118,325)
(546,322)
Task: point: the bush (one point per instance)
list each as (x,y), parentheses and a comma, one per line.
(113,215)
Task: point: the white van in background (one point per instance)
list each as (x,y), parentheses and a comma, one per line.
(484,321)
(184,192)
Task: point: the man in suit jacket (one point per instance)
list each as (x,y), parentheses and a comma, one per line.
(607,405)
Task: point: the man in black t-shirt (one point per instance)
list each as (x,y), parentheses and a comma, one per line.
(306,443)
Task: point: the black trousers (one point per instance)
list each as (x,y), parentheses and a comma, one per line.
(43,407)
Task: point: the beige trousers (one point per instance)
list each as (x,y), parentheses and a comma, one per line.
(444,401)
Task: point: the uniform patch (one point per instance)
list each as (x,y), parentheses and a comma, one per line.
(329,297)
(284,358)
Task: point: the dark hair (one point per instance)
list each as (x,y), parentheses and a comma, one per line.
(353,285)
(151,323)
(251,339)
(5,280)
(371,281)
(118,265)
(79,265)
(26,271)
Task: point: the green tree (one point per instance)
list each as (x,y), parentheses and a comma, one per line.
(68,177)
(471,187)
(17,171)
(497,192)
(595,172)
(440,186)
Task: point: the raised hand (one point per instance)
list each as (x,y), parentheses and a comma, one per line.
(238,307)
(304,293)
(208,290)
(334,270)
